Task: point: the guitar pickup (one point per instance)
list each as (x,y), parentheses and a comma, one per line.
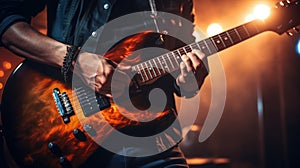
(63,105)
(90,101)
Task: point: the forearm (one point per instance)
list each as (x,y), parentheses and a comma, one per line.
(26,42)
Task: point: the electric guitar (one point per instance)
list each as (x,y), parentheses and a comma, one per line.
(42,116)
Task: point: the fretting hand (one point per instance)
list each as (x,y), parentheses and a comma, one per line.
(192,68)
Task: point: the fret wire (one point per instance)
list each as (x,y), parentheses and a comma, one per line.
(213,42)
(195,46)
(242,32)
(166,64)
(184,50)
(238,34)
(138,72)
(163,69)
(252,28)
(153,69)
(246,30)
(226,38)
(229,37)
(222,41)
(148,70)
(175,58)
(170,61)
(207,47)
(143,73)
(234,36)
(156,67)
(199,46)
(178,51)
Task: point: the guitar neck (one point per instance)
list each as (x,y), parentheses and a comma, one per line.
(169,62)
(229,38)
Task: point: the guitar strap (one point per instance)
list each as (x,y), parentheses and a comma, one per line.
(155,16)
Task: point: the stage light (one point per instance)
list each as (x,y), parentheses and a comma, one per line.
(1,85)
(1,73)
(6,65)
(261,11)
(249,18)
(214,29)
(298,47)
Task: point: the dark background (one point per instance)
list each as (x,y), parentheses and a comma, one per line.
(266,69)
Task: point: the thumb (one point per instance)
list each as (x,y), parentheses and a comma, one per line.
(124,67)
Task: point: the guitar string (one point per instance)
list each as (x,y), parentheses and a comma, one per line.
(240,31)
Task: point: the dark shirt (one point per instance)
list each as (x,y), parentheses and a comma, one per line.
(74,21)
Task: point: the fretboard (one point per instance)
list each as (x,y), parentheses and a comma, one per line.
(169,62)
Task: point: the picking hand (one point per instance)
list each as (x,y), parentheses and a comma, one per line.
(97,72)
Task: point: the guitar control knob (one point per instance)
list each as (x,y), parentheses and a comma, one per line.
(54,149)
(79,134)
(89,129)
(64,162)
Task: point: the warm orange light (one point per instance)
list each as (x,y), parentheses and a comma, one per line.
(197,35)
(214,29)
(250,17)
(6,65)
(1,85)
(261,11)
(1,73)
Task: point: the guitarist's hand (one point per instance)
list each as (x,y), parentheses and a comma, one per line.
(97,73)
(192,68)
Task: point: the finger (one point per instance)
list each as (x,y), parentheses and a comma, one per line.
(183,69)
(188,63)
(196,62)
(101,79)
(124,67)
(199,54)
(183,74)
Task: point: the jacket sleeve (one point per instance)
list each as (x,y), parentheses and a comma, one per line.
(12,11)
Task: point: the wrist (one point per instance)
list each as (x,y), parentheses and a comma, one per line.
(69,61)
(181,91)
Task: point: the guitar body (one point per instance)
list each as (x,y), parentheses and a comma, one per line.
(32,123)
(31,120)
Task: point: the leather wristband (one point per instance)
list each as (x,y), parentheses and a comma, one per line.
(70,57)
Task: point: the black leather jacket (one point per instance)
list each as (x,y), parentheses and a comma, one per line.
(74,21)
(67,21)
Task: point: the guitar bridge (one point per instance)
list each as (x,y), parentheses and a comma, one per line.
(63,105)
